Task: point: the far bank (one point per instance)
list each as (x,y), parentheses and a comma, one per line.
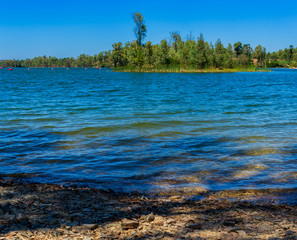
(188,70)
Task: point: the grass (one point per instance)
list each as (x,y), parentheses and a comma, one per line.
(177,69)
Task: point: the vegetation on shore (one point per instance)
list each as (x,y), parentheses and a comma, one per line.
(188,70)
(174,54)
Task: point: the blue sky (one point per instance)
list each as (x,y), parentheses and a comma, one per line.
(67,28)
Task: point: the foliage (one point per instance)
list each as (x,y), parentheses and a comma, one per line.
(140,28)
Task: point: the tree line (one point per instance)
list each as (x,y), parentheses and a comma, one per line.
(102,59)
(189,53)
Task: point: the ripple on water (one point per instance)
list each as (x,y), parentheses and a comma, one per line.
(150,132)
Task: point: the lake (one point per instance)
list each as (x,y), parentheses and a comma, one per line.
(149,132)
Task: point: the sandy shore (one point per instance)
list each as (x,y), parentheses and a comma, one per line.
(42,211)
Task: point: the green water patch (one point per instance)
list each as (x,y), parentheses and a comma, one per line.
(254,139)
(90,131)
(260,151)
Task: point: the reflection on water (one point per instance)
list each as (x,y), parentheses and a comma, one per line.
(150,132)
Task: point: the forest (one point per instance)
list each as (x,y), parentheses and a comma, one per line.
(174,52)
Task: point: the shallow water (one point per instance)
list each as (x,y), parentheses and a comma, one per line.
(149,131)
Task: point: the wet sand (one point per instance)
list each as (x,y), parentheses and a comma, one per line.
(43,211)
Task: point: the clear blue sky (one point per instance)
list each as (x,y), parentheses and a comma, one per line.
(67,28)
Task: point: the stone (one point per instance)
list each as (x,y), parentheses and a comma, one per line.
(229,223)
(194,226)
(171,221)
(90,226)
(229,236)
(265,228)
(241,234)
(129,224)
(136,208)
(207,234)
(289,233)
(157,233)
(150,217)
(159,221)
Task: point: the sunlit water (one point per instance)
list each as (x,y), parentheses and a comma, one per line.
(149,131)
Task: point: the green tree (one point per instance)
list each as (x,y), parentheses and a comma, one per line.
(238,48)
(148,53)
(175,39)
(219,54)
(140,28)
(291,51)
(164,50)
(202,54)
(228,57)
(118,55)
(193,54)
(211,55)
(140,57)
(132,53)
(260,55)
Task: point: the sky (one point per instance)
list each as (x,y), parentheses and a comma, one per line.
(68,28)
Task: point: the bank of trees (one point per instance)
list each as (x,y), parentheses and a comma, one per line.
(173,52)
(283,58)
(198,54)
(102,59)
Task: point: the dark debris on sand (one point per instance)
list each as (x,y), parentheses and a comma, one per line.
(42,211)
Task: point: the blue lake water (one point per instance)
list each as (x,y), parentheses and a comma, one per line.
(149,131)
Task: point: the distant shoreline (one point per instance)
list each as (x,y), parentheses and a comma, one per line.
(148,70)
(135,70)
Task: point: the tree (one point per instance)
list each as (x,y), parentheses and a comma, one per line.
(228,57)
(164,50)
(175,39)
(148,53)
(132,53)
(202,55)
(238,48)
(118,54)
(260,55)
(211,54)
(186,53)
(139,58)
(247,50)
(291,52)
(140,28)
(219,54)
(193,54)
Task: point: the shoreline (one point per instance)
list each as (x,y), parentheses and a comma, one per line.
(159,70)
(45,211)
(190,71)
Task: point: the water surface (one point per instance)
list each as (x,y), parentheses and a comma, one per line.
(149,131)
